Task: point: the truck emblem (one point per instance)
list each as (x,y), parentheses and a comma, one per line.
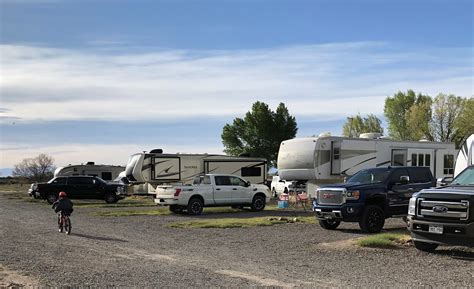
(328,196)
(440,209)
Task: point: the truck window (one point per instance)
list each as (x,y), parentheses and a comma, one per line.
(207,180)
(237,181)
(58,181)
(420,176)
(222,181)
(396,174)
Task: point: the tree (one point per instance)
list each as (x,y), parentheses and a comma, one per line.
(260,132)
(446,110)
(37,169)
(357,125)
(464,124)
(419,119)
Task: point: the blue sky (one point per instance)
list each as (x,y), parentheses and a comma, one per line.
(100,80)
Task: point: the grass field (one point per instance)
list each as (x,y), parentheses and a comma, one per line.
(385,240)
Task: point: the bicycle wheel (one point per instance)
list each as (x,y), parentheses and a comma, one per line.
(60,224)
(67,225)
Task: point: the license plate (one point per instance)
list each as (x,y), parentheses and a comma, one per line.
(435,229)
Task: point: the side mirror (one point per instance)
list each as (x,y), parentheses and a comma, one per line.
(404,180)
(247,184)
(445,181)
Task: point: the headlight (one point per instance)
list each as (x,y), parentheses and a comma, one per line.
(412,206)
(352,195)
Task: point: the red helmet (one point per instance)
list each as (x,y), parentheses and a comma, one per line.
(62,194)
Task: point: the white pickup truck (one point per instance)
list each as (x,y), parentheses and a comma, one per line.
(213,190)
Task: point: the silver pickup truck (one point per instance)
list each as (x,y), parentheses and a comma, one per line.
(213,190)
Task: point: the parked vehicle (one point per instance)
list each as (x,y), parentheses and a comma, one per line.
(444,215)
(155,168)
(80,187)
(213,190)
(279,186)
(328,159)
(105,172)
(370,196)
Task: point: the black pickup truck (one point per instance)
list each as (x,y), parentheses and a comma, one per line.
(80,187)
(444,215)
(370,196)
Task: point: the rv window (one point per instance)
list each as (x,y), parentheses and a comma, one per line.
(448,167)
(414,160)
(427,160)
(420,160)
(222,181)
(335,153)
(251,172)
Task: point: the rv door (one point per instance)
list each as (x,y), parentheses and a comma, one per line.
(399,157)
(445,163)
(336,158)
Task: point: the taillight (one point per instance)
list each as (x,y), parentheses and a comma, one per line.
(176,192)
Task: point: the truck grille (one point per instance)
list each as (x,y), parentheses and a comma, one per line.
(443,209)
(331,197)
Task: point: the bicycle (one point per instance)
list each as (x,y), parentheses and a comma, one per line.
(64,222)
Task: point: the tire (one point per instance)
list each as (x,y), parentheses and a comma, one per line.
(51,198)
(176,209)
(373,219)
(195,206)
(425,247)
(329,224)
(258,204)
(67,226)
(111,198)
(60,225)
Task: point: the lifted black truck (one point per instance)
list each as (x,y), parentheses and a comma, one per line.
(444,215)
(370,196)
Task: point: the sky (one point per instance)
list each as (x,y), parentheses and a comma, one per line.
(101,80)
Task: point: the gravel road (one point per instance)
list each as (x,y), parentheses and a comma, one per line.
(141,251)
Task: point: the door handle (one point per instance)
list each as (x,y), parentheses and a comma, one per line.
(218,189)
(234,189)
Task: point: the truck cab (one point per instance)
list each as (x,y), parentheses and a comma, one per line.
(370,196)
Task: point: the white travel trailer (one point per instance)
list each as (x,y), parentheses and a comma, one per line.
(465,156)
(155,168)
(327,159)
(105,172)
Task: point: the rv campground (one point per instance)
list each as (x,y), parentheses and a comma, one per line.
(135,243)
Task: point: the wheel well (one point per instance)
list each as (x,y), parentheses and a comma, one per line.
(260,194)
(377,201)
(197,197)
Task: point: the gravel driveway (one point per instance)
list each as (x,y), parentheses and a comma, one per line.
(142,251)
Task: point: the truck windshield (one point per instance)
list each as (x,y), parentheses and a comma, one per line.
(465,178)
(369,176)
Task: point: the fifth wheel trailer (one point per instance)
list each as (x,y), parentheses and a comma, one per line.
(327,159)
(156,168)
(465,156)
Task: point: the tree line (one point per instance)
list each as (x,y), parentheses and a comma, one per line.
(409,116)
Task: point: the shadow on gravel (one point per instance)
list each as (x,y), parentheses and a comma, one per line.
(359,232)
(247,214)
(98,238)
(456,254)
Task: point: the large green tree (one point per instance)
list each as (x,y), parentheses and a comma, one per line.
(356,125)
(464,123)
(260,132)
(397,109)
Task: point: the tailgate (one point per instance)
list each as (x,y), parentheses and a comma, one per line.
(165,192)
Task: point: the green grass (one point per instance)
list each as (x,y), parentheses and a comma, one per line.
(384,240)
(241,222)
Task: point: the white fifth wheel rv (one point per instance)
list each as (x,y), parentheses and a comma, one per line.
(465,156)
(327,159)
(155,168)
(105,172)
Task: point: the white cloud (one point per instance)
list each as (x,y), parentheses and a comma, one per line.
(331,80)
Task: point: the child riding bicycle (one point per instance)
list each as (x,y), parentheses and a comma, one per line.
(63,206)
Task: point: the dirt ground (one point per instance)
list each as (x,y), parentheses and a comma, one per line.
(143,251)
